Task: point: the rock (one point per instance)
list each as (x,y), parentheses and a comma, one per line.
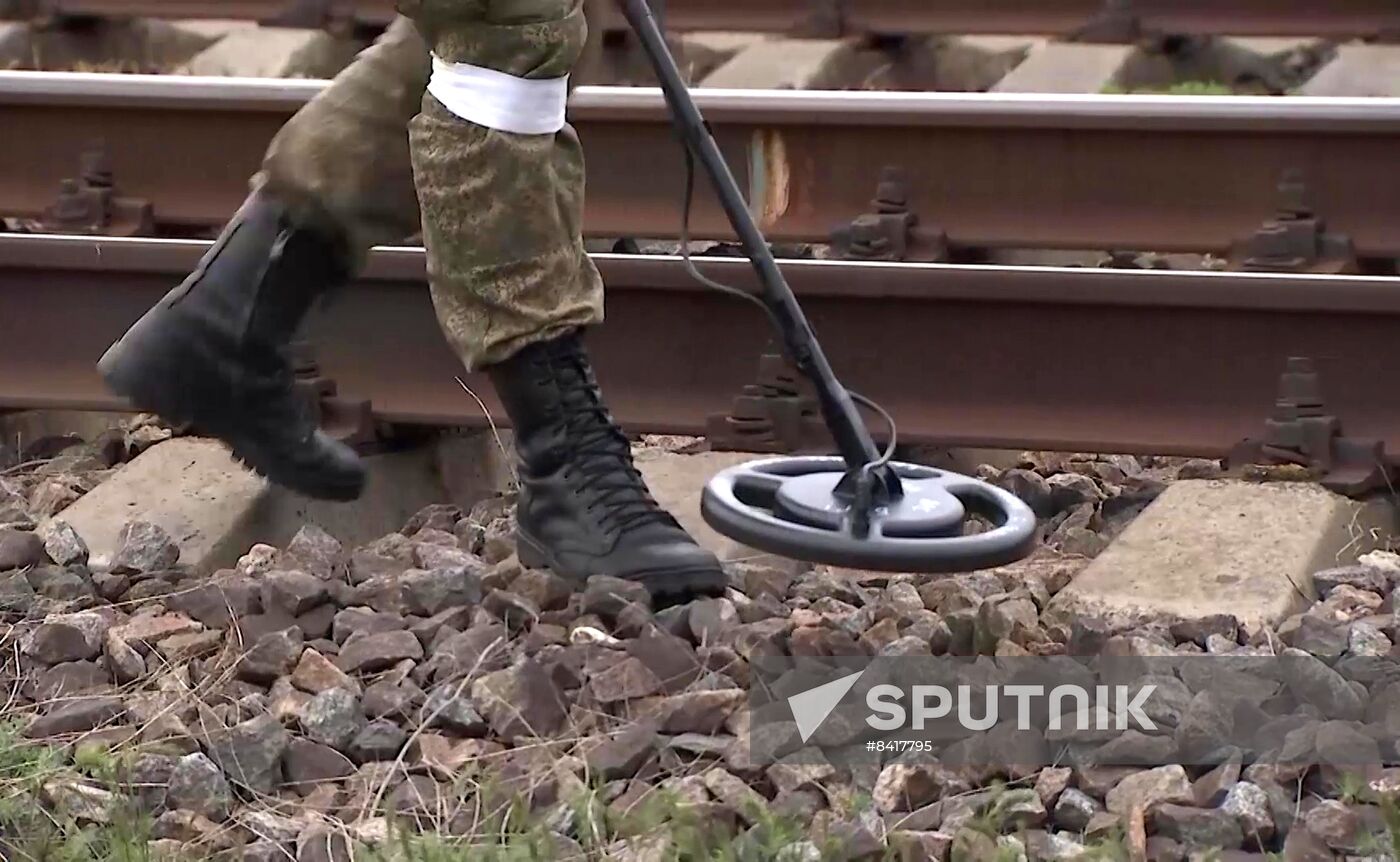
(273,655)
(80,802)
(419,797)
(1199,629)
(318,551)
(333,717)
(266,851)
(547,590)
(293,592)
(315,674)
(20,550)
(1199,828)
(442,555)
(1004,617)
(434,516)
(250,753)
(75,715)
(606,596)
(522,700)
(144,547)
(389,699)
(1302,846)
(673,661)
(1360,577)
(620,755)
(65,585)
(1070,490)
(1074,809)
(516,611)
(218,603)
(197,785)
(702,712)
(376,652)
(68,637)
(1207,721)
(307,763)
(1342,748)
(1210,789)
(1337,824)
(365,621)
(125,663)
(1321,638)
(1032,488)
(62,543)
(322,844)
(448,709)
(148,780)
(258,561)
(764,580)
(274,826)
(733,792)
(1150,787)
(146,631)
(1312,682)
(903,600)
(905,787)
(379,740)
(712,620)
(1017,809)
(824,583)
(1051,782)
(1346,604)
(800,769)
(426,593)
(1080,542)
(1367,640)
(1249,804)
(16,595)
(625,680)
(921,846)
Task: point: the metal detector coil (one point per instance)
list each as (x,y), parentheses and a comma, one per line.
(792,507)
(860,510)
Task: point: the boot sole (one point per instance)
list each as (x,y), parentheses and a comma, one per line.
(670,586)
(133,381)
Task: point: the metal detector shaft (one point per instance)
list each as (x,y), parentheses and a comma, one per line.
(842,419)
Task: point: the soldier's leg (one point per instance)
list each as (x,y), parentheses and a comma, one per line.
(214,351)
(342,160)
(500,179)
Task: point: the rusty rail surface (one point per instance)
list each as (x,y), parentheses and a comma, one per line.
(1154,173)
(1069,359)
(1114,19)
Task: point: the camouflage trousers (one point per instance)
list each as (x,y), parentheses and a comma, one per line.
(377,157)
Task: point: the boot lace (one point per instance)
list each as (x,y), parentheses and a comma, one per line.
(602,454)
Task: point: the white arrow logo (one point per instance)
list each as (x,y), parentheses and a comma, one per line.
(813,706)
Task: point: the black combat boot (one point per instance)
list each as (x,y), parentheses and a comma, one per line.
(215,351)
(583,507)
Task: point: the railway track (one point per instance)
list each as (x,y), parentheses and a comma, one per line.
(1164,174)
(1091,19)
(1043,358)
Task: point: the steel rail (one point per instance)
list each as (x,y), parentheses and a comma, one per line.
(1078,359)
(1154,173)
(1306,18)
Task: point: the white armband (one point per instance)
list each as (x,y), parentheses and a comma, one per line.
(500,101)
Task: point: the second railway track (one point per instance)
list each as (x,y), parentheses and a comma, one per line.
(1152,173)
(1336,18)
